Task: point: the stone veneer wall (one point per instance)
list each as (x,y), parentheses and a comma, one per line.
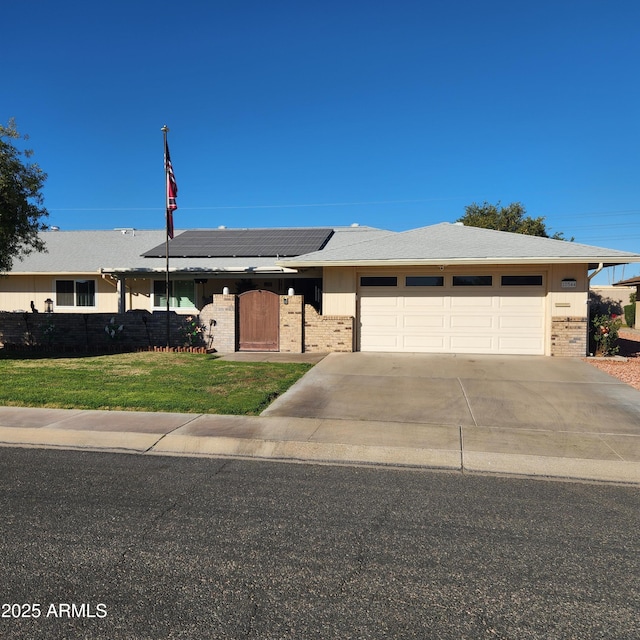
(291,324)
(302,329)
(219,321)
(569,336)
(324,334)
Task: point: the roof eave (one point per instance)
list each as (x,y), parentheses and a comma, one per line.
(77,272)
(607,261)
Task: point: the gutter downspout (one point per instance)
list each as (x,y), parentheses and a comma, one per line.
(596,272)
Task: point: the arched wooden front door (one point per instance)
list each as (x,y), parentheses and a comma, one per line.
(258,321)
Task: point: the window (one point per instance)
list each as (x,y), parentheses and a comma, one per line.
(75,293)
(65,291)
(424,281)
(472,281)
(378,281)
(181,294)
(85,293)
(521,281)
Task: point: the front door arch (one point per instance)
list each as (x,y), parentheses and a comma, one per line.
(258,321)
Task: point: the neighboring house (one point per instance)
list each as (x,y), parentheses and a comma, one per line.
(632,284)
(611,297)
(445,288)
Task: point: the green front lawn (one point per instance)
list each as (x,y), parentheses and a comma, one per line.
(174,382)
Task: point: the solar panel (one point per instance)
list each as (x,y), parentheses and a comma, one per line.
(243,243)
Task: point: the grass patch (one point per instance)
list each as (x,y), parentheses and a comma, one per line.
(172,382)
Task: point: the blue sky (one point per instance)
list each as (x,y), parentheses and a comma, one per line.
(393,114)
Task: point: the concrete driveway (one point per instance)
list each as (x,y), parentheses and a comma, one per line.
(499,392)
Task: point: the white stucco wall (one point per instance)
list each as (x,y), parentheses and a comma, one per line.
(566,300)
(18,291)
(339,291)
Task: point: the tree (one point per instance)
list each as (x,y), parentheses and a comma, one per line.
(512,218)
(21,199)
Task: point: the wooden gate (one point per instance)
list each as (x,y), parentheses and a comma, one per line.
(258,321)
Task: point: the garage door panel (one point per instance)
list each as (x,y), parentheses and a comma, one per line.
(424,343)
(472,344)
(448,321)
(382,302)
(520,322)
(422,302)
(520,344)
(386,320)
(532,302)
(533,294)
(432,322)
(471,302)
(382,343)
(471,322)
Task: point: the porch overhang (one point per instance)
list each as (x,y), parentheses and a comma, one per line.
(198,272)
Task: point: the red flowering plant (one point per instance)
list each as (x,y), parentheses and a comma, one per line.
(605,329)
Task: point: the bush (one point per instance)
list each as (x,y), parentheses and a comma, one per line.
(605,333)
(630,315)
(599,305)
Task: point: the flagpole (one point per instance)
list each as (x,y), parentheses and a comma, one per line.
(165,130)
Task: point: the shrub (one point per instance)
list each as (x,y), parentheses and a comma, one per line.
(192,332)
(630,315)
(599,305)
(605,333)
(113,330)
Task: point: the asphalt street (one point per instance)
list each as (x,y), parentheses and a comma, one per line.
(97,545)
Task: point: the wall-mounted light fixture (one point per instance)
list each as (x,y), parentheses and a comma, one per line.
(48,305)
(290,292)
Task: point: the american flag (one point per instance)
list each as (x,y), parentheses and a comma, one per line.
(172,190)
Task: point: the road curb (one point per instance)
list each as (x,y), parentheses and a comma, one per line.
(307,451)
(175,443)
(553,467)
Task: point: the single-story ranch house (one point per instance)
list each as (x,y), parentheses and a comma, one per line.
(445,288)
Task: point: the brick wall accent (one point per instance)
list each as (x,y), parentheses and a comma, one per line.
(291,324)
(86,331)
(324,334)
(569,336)
(219,321)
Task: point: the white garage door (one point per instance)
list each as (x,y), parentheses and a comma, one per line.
(492,319)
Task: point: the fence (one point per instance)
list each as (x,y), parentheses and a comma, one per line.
(98,331)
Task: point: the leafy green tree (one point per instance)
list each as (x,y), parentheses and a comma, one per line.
(21,199)
(511,218)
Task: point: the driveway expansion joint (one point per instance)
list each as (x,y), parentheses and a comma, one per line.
(466,398)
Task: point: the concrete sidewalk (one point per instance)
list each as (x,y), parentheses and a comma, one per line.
(527,452)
